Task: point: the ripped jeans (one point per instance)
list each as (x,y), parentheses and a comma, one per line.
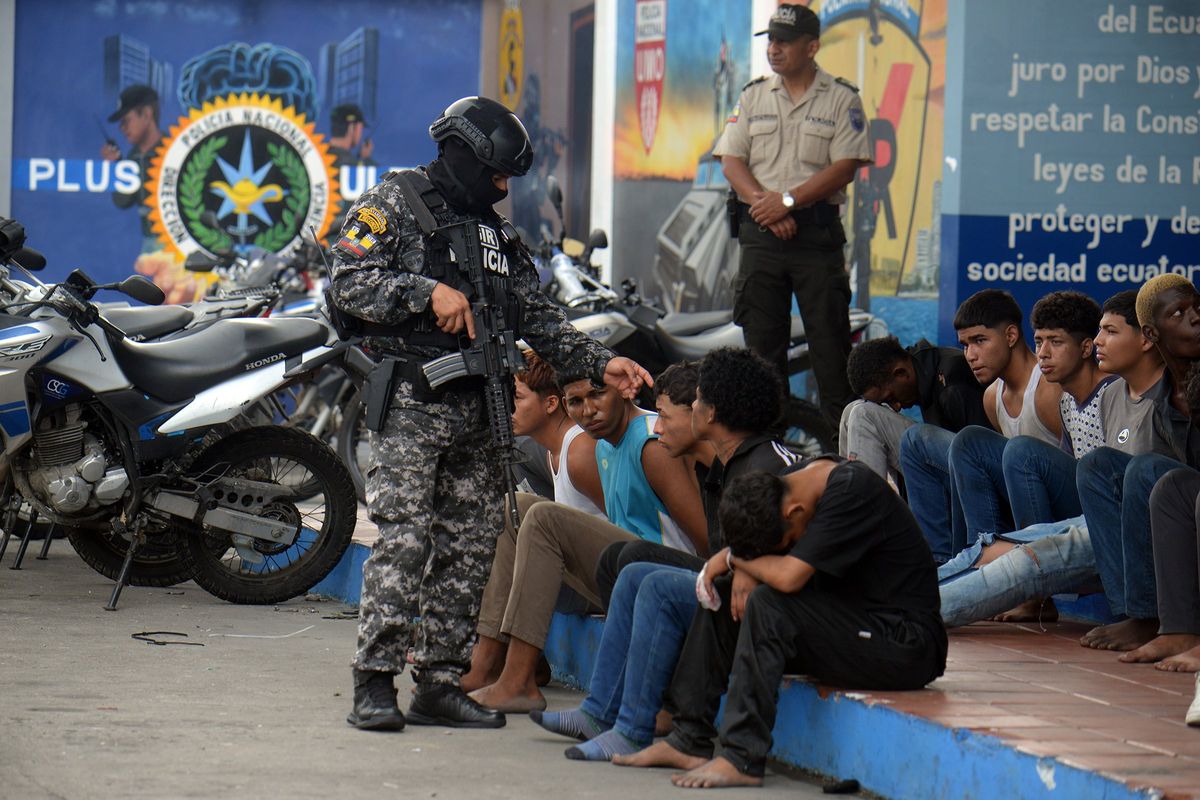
(1052,558)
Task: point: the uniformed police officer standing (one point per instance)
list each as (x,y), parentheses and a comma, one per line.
(434,483)
(790,147)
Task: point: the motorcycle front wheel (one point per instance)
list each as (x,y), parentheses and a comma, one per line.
(323,518)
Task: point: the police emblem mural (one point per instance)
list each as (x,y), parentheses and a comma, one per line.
(241,172)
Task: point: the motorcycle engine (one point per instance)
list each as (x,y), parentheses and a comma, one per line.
(72,468)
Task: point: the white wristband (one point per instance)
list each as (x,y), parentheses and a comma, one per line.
(729,559)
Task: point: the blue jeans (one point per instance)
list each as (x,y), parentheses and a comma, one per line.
(976,461)
(1041,481)
(648,619)
(925,465)
(1056,558)
(1114,491)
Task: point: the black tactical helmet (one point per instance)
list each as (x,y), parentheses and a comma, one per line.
(494,133)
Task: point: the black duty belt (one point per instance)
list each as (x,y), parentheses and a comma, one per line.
(821,213)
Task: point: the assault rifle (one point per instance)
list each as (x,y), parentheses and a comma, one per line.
(492,354)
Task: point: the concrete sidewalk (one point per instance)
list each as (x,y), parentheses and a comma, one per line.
(258,711)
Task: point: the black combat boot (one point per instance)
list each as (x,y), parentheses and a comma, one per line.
(375,702)
(443,704)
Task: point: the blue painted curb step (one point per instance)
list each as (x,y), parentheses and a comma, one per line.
(843,734)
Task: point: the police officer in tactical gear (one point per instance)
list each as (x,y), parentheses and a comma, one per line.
(792,144)
(434,484)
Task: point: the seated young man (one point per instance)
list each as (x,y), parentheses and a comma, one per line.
(743,398)
(832,578)
(1017,402)
(887,377)
(647,494)
(1046,559)
(539,413)
(1115,489)
(652,604)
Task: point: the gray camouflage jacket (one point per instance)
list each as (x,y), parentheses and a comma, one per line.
(379,275)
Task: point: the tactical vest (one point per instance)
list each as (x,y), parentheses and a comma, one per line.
(498,251)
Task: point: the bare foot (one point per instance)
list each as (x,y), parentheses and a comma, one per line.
(1127,634)
(715,774)
(1187,661)
(502,698)
(487,661)
(1160,647)
(664,723)
(1039,609)
(659,754)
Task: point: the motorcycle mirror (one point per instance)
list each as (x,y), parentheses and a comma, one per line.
(597,239)
(142,290)
(554,192)
(197,261)
(29,259)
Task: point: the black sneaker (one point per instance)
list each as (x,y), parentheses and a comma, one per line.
(442,704)
(375,706)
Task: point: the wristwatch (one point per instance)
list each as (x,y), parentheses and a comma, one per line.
(788,200)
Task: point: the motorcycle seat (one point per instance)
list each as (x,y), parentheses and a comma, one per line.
(148,322)
(182,368)
(689,322)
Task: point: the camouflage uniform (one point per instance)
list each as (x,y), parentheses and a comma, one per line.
(434,485)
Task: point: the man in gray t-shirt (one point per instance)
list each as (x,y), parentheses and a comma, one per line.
(1128,417)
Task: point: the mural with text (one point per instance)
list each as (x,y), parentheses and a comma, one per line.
(1077,157)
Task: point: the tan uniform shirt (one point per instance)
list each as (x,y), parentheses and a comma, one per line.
(785,143)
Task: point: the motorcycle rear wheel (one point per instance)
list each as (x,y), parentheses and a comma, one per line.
(158,562)
(808,432)
(325,518)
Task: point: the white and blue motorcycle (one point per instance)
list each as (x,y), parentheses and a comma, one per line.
(138,444)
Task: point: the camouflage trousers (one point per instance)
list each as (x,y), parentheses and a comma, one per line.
(435,489)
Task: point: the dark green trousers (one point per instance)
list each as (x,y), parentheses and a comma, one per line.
(812,267)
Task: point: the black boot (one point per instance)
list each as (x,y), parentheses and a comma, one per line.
(443,704)
(375,702)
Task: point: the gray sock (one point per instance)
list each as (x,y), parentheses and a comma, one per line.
(604,747)
(574,722)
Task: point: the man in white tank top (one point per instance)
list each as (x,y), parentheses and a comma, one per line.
(989,326)
(538,413)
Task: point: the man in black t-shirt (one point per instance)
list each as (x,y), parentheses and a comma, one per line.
(831,578)
(887,378)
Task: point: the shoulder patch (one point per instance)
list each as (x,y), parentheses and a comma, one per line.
(759,79)
(374,218)
(847,84)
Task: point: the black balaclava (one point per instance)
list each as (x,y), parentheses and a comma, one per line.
(463,180)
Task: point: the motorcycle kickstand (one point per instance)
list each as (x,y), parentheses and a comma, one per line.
(42,556)
(123,575)
(33,515)
(10,518)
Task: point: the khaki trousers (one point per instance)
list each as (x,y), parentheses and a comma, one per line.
(556,545)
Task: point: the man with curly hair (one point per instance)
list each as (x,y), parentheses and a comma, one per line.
(887,378)
(736,400)
(739,400)
(826,574)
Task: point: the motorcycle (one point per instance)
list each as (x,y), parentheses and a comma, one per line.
(133,441)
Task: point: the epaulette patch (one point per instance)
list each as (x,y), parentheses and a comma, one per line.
(759,79)
(847,84)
